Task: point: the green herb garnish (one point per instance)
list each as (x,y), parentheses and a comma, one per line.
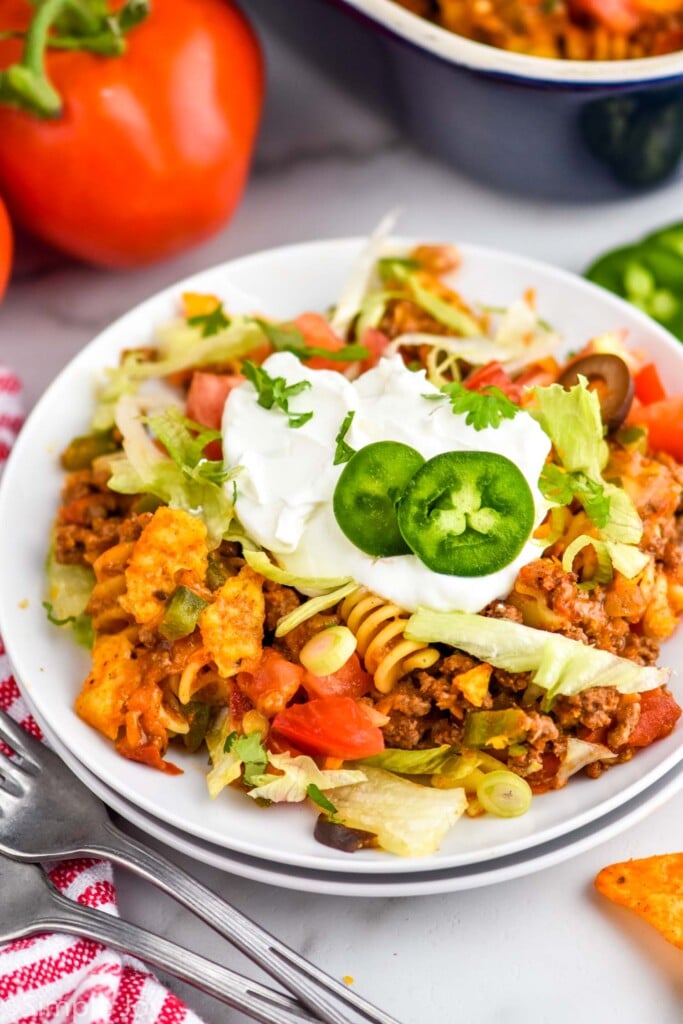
(288,338)
(343,452)
(275,391)
(210,323)
(485,408)
(250,751)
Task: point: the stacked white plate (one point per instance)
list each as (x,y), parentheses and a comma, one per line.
(276,844)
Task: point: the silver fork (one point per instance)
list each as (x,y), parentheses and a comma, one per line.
(30,904)
(73,822)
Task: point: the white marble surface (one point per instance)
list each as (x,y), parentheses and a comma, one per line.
(539,949)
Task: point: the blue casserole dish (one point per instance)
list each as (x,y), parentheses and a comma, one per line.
(552,128)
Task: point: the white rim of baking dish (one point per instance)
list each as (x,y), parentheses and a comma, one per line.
(479,57)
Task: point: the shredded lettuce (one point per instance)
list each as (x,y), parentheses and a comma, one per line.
(226,764)
(408,819)
(299,773)
(181,346)
(183,479)
(571,419)
(603,572)
(311,607)
(358,283)
(624,525)
(627,559)
(68,591)
(311,585)
(558,665)
(450,316)
(432,761)
(581,753)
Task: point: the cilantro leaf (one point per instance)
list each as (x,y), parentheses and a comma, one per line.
(562,487)
(288,338)
(319,798)
(210,323)
(343,452)
(481,409)
(250,751)
(275,391)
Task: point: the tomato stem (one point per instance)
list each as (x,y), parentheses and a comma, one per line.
(31,72)
(26,85)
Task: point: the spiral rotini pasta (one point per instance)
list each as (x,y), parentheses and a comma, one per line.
(378,626)
(110,585)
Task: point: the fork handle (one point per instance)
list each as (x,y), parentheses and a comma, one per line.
(257,1001)
(303,979)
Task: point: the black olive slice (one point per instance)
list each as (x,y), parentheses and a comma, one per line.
(610,377)
(341,837)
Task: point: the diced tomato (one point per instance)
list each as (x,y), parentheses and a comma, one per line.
(331,727)
(493,375)
(648,385)
(279,745)
(375,342)
(664,422)
(207,395)
(351,680)
(659,713)
(318,333)
(273,683)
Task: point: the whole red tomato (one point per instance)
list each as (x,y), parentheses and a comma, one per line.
(5,248)
(152,149)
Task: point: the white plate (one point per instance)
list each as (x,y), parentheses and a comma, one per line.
(51,669)
(419,883)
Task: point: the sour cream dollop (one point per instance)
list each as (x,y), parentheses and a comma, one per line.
(287,476)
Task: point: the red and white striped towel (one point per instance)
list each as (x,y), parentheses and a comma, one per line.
(58,979)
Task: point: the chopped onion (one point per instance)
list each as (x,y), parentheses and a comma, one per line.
(327,651)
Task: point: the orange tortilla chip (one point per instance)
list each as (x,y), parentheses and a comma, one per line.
(652,887)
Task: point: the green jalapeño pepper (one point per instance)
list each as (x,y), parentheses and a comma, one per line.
(649,274)
(365,497)
(182,614)
(670,237)
(466,513)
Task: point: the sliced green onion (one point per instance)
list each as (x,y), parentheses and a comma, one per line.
(310,608)
(327,651)
(504,794)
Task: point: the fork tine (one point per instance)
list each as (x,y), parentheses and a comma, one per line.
(18,739)
(12,772)
(8,802)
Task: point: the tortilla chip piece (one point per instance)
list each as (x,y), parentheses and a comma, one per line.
(652,887)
